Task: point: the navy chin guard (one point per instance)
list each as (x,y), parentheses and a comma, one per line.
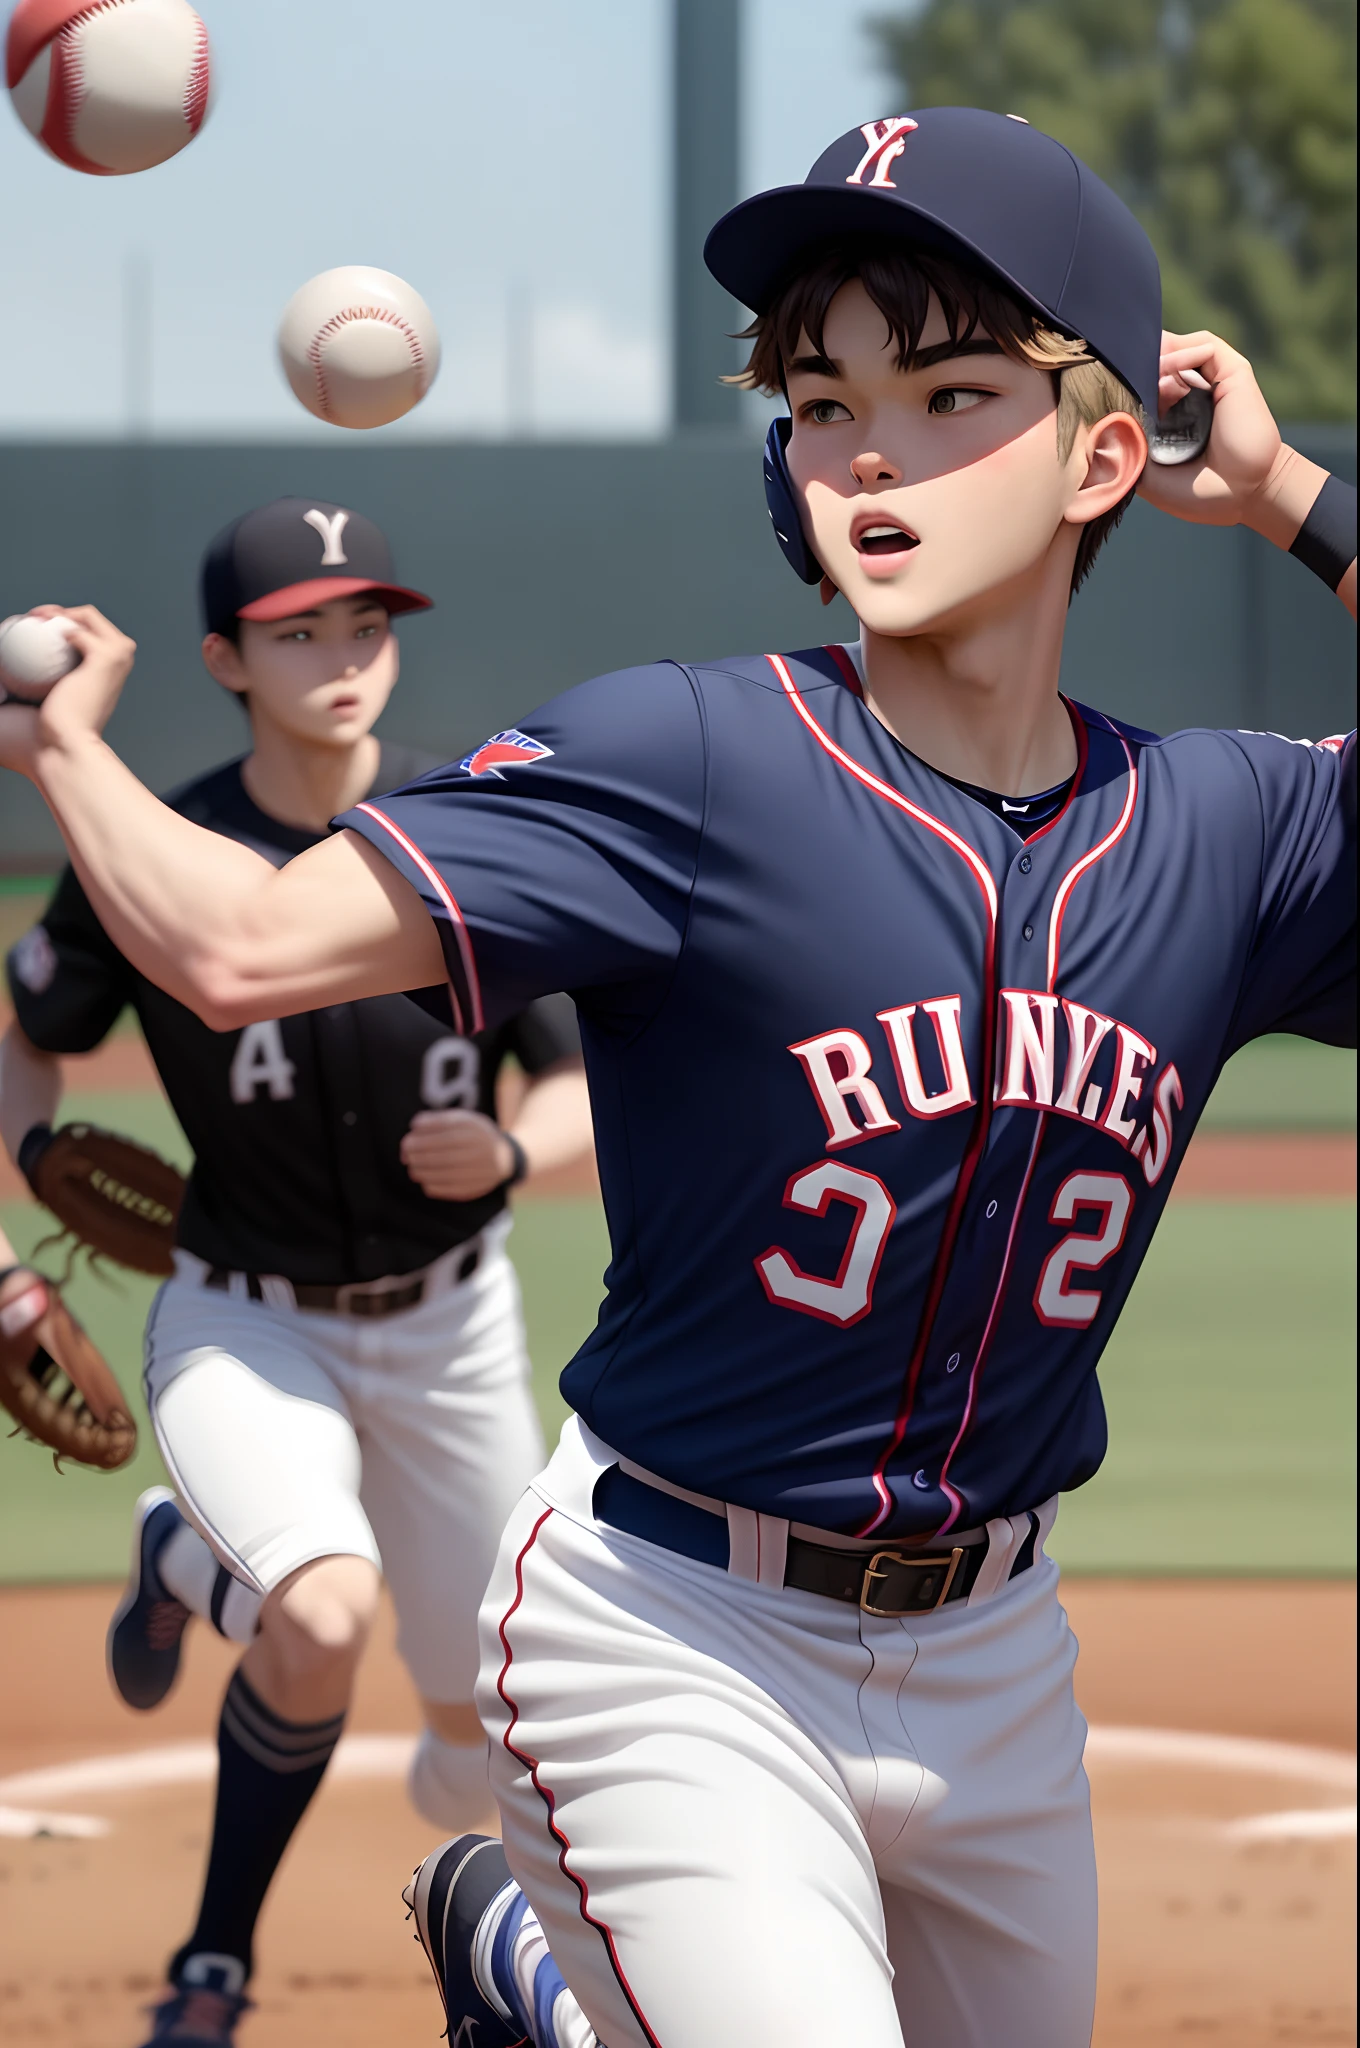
(782,501)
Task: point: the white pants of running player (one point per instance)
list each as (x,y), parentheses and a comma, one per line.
(292,1435)
(747,1815)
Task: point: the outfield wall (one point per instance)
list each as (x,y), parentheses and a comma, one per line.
(550,562)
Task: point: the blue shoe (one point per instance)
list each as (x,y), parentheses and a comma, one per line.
(203,2008)
(449,1894)
(146,1634)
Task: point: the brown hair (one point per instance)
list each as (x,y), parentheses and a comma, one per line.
(900,283)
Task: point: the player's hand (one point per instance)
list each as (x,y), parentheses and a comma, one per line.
(456,1155)
(81,703)
(1245,452)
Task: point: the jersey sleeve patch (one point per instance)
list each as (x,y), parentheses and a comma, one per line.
(512,749)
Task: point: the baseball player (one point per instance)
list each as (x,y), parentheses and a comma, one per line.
(337,1372)
(903,981)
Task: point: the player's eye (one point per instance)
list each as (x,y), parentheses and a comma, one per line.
(952,399)
(300,634)
(365,632)
(823,412)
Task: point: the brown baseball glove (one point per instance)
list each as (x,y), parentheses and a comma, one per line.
(115,1196)
(52,1380)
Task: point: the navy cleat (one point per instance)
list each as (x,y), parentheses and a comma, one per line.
(449,1895)
(202,2009)
(146,1633)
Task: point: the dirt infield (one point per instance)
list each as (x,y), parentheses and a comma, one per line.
(1223,1717)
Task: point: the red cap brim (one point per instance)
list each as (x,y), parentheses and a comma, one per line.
(305,597)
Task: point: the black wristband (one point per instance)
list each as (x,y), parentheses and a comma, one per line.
(512,1180)
(1325,543)
(31,1148)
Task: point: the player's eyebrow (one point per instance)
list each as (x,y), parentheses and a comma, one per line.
(815,366)
(924,359)
(945,351)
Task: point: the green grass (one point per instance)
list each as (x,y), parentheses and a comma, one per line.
(1284,1083)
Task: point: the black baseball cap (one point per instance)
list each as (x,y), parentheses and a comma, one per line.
(293,555)
(986,188)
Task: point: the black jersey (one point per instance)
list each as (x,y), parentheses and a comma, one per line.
(295,1125)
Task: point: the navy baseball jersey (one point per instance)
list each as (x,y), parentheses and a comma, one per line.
(295,1124)
(888,1099)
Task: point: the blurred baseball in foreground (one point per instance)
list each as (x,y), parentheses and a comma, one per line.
(111,87)
(359,347)
(34,654)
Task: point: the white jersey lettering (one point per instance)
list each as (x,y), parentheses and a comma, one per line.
(260,1061)
(1028,1063)
(449,1074)
(833,1085)
(943,1012)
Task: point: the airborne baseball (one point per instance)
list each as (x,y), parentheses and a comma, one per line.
(111,88)
(35,654)
(358,346)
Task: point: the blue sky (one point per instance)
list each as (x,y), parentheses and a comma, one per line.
(511,162)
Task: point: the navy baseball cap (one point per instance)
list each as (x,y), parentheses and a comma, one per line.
(294,555)
(983,187)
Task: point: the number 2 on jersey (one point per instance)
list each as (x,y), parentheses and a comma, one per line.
(1055,1303)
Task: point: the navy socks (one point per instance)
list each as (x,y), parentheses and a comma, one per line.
(268,1769)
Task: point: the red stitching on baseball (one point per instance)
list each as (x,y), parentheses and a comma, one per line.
(66,85)
(342,319)
(196,91)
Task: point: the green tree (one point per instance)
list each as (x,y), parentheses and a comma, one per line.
(1229,127)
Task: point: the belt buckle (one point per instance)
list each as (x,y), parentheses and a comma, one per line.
(359,1298)
(872,1571)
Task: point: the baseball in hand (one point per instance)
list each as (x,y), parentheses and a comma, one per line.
(34,654)
(359,347)
(112,87)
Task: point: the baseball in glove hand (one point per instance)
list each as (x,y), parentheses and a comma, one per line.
(54,1383)
(115,1196)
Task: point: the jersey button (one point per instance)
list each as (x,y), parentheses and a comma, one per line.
(350,1117)
(1025,863)
(1029,931)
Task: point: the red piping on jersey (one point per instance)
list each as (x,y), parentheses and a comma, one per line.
(1055,932)
(1083,751)
(1069,880)
(846,667)
(441,889)
(977,1141)
(545,1793)
(975,1376)
(981,872)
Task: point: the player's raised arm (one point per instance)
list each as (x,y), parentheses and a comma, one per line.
(208,920)
(1247,475)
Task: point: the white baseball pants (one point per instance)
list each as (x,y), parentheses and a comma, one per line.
(744,1814)
(292,1435)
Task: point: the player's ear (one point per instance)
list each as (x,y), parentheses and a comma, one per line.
(1115,455)
(223,663)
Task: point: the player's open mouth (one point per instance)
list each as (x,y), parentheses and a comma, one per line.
(882,537)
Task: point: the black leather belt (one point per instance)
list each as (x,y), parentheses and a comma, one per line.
(893,1580)
(353,1298)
